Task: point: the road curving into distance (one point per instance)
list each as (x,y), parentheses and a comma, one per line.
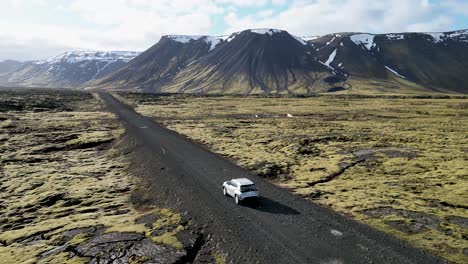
(281,228)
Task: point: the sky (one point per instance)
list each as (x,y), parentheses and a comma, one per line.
(40,29)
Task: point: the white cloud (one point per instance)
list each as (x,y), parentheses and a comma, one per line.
(456,6)
(106,25)
(278,2)
(37,29)
(243,2)
(328,16)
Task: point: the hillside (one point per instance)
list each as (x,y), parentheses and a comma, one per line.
(160,63)
(251,61)
(274,61)
(67,70)
(435,61)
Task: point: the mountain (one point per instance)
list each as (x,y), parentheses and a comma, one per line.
(159,64)
(421,61)
(69,69)
(274,61)
(264,61)
(251,61)
(9,66)
(254,61)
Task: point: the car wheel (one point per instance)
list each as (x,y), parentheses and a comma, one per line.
(236,198)
(225,192)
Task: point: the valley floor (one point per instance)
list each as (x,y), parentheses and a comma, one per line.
(66,193)
(397,164)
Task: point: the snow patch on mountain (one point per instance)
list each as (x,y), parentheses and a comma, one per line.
(437,37)
(303,42)
(184,38)
(228,38)
(213,41)
(310,38)
(80,56)
(330,58)
(460,35)
(395,36)
(395,72)
(366,40)
(331,68)
(269,31)
(329,42)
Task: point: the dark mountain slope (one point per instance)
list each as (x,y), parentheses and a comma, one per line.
(254,61)
(435,61)
(160,63)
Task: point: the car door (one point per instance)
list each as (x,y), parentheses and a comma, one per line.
(228,187)
(232,188)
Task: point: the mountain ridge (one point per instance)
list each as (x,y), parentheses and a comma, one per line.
(67,70)
(267,60)
(275,61)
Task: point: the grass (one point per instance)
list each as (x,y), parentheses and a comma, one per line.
(219,258)
(61,170)
(395,163)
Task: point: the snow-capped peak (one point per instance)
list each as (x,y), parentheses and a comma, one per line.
(79,56)
(269,31)
(185,38)
(213,41)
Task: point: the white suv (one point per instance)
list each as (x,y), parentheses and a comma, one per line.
(241,189)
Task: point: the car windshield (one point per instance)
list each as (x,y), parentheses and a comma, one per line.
(248,188)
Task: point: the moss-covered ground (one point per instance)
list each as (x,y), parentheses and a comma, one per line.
(65,191)
(398,164)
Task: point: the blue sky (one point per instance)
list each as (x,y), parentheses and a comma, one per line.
(39,29)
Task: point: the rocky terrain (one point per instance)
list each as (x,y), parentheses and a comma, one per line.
(67,70)
(394,163)
(68,194)
(271,61)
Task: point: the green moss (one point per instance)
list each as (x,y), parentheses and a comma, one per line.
(169,239)
(219,258)
(413,152)
(51,186)
(169,222)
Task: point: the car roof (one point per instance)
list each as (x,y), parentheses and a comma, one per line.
(243,181)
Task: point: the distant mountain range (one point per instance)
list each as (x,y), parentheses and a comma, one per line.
(271,61)
(68,70)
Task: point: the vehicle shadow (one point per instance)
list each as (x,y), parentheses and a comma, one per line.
(270,206)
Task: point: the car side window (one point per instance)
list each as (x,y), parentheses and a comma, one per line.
(234,184)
